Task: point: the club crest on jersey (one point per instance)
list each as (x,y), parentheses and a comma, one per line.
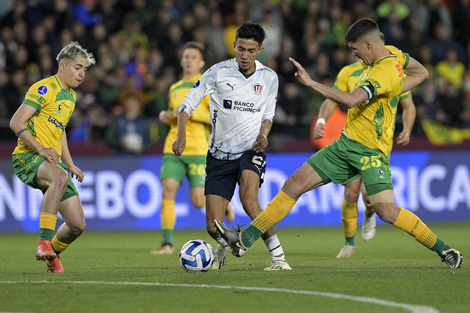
(197,84)
(42,90)
(59,108)
(257,89)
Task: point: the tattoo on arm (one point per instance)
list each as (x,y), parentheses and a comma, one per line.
(20,132)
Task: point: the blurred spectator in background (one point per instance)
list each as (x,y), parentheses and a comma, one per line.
(451,69)
(428,106)
(129,132)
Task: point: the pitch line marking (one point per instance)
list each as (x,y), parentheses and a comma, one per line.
(409,307)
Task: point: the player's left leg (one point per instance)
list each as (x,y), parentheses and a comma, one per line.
(387,210)
(215,210)
(73,226)
(249,190)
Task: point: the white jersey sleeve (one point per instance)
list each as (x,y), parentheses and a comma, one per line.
(238,105)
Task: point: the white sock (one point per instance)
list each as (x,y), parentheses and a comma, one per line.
(275,248)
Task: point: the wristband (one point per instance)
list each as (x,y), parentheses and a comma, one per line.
(321,120)
(20,132)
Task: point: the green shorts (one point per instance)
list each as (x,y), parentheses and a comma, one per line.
(179,167)
(345,159)
(26,167)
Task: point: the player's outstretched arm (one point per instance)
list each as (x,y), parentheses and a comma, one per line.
(348,99)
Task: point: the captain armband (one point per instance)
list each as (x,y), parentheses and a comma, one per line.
(21,131)
(370,92)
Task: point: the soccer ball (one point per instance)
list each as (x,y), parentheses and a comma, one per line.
(196,256)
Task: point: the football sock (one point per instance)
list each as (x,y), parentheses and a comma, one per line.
(168,219)
(275,248)
(274,212)
(58,246)
(410,223)
(369,210)
(350,241)
(349,218)
(167,236)
(47,224)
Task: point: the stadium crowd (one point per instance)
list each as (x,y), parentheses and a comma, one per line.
(138,43)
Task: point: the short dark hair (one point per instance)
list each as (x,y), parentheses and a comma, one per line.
(194,45)
(360,28)
(251,31)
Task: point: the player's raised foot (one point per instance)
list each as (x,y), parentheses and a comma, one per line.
(166,248)
(232,237)
(452,257)
(368,227)
(347,251)
(229,213)
(220,254)
(44,251)
(278,266)
(54,265)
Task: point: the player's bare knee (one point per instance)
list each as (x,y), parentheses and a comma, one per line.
(350,195)
(61,181)
(198,203)
(77,229)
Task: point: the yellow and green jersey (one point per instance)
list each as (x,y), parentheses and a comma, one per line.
(372,123)
(54,107)
(197,129)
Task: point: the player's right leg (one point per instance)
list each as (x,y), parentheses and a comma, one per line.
(172,174)
(249,188)
(167,215)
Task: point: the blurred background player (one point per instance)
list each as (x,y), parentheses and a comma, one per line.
(243,99)
(42,158)
(348,78)
(192,164)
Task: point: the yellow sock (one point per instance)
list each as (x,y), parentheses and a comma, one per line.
(349,218)
(167,214)
(58,245)
(369,209)
(410,223)
(274,212)
(47,221)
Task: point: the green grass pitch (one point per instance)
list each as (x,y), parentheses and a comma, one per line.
(114,272)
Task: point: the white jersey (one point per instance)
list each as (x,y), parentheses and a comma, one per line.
(238,105)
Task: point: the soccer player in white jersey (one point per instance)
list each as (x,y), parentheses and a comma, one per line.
(243,95)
